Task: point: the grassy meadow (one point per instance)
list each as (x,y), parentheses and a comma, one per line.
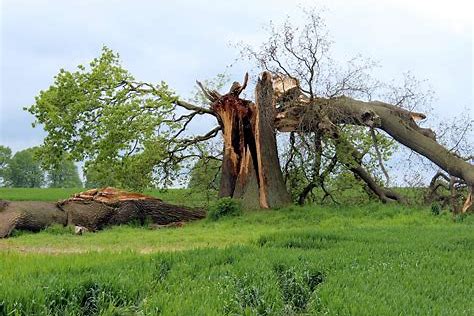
(368,259)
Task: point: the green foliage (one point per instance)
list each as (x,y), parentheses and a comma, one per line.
(205,175)
(64,175)
(460,217)
(97,114)
(5,156)
(435,209)
(24,170)
(224,207)
(297,287)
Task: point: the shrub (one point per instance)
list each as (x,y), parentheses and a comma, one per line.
(435,209)
(224,207)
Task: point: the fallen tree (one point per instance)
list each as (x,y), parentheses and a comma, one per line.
(324,114)
(247,169)
(93,210)
(139,130)
(30,216)
(299,113)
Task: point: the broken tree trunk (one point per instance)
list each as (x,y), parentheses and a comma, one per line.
(250,166)
(251,169)
(395,121)
(94,210)
(28,215)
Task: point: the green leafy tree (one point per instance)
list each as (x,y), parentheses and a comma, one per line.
(134,171)
(205,175)
(24,169)
(65,175)
(5,156)
(100,115)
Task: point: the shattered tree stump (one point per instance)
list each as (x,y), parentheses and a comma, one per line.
(250,165)
(93,210)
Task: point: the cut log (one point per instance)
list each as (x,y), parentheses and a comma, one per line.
(93,210)
(28,215)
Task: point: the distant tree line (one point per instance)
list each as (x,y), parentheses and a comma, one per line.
(24,170)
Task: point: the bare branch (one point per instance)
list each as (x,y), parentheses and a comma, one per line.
(211,95)
(192,107)
(379,156)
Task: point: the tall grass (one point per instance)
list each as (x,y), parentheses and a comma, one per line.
(345,260)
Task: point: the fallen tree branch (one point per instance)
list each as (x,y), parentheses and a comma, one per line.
(395,121)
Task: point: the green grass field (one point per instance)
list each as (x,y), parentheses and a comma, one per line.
(342,260)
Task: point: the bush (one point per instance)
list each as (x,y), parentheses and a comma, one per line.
(224,207)
(435,209)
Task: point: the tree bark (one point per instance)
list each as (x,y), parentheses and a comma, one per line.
(250,167)
(272,189)
(28,215)
(395,121)
(94,210)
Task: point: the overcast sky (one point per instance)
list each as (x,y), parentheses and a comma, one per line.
(181,41)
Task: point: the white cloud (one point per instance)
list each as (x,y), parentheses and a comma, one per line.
(181,41)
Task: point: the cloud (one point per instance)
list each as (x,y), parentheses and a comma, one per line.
(181,41)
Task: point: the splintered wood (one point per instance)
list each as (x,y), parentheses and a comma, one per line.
(250,166)
(107,195)
(93,210)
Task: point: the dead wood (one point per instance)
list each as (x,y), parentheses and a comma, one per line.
(96,209)
(28,215)
(250,166)
(395,121)
(93,210)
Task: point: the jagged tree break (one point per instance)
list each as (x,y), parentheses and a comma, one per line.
(250,164)
(251,168)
